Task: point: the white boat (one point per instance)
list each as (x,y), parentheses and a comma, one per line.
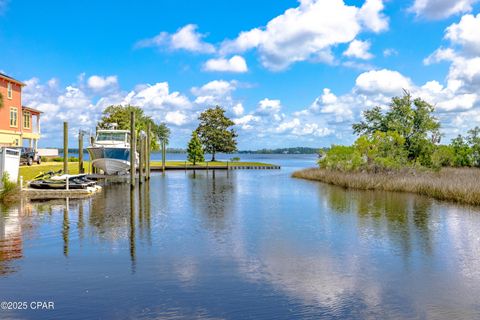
(110,151)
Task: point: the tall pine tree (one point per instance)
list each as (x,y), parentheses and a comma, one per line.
(195,150)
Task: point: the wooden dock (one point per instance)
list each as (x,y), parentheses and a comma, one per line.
(191,167)
(57,194)
(126,178)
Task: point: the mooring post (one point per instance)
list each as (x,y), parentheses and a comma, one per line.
(144,148)
(80,152)
(141,155)
(163,155)
(149,141)
(92,168)
(65,147)
(132,150)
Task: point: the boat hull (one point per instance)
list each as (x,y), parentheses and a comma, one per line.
(111,166)
(110,160)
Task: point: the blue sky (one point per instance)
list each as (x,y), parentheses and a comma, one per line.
(290,73)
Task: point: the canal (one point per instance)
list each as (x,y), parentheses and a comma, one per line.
(241,245)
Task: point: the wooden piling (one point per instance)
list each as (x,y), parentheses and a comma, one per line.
(141,155)
(65,147)
(132,150)
(81,169)
(164,152)
(148,147)
(145,158)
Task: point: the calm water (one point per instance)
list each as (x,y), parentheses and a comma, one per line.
(242,245)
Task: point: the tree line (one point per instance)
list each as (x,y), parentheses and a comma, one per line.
(406,135)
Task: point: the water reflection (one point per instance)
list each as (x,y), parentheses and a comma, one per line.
(211,194)
(402,219)
(11,242)
(244,244)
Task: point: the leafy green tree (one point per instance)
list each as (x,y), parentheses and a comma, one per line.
(473,139)
(120,115)
(411,118)
(214,132)
(443,156)
(162,132)
(463,152)
(195,150)
(341,158)
(382,150)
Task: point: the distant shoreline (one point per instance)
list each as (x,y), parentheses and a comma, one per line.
(450,184)
(296,150)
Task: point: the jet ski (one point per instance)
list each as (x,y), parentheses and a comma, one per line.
(55,180)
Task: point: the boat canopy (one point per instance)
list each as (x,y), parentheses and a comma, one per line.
(113,135)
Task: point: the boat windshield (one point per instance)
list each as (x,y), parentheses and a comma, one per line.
(111,136)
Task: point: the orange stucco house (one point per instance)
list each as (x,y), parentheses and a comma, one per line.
(19,125)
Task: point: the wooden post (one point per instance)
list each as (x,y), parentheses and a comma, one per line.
(81,169)
(145,155)
(92,168)
(149,141)
(65,147)
(163,155)
(132,150)
(141,155)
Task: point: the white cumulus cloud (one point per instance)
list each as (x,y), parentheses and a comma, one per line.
(440,9)
(359,49)
(235,64)
(466,33)
(383,81)
(99,83)
(186,38)
(308,32)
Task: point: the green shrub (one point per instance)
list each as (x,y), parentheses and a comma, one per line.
(7,186)
(235,159)
(463,152)
(60,159)
(342,158)
(382,151)
(443,156)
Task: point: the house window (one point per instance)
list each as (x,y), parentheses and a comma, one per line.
(13,117)
(26,120)
(9,90)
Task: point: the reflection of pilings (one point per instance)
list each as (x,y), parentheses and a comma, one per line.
(66,228)
(140,209)
(132,229)
(147,213)
(80,224)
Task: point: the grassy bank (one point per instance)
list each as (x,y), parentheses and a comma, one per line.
(29,172)
(452,184)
